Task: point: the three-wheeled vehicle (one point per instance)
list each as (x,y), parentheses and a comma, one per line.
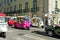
(11,21)
(37,22)
(3,25)
(52,30)
(22,22)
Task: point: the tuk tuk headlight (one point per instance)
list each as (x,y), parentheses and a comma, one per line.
(4,25)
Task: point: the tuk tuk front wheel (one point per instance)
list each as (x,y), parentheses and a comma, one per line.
(3,34)
(50,33)
(28,28)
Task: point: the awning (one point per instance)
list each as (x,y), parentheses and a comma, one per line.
(2,14)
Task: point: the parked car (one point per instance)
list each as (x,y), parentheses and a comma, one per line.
(52,30)
(36,21)
(22,22)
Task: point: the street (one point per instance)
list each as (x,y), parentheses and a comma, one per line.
(32,34)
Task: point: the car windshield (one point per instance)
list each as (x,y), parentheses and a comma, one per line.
(2,19)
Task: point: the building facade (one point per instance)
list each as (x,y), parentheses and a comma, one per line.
(38,8)
(23,7)
(54,12)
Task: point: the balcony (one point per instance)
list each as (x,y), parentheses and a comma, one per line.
(14,11)
(26,10)
(34,9)
(19,11)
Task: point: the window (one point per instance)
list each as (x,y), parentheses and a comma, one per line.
(0,4)
(4,9)
(5,2)
(26,7)
(56,3)
(10,9)
(7,9)
(20,6)
(15,8)
(14,0)
(27,19)
(34,9)
(34,3)
(10,0)
(56,6)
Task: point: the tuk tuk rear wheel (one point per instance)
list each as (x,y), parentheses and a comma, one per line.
(28,28)
(3,34)
(15,26)
(50,33)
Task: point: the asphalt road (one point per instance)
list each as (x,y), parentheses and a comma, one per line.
(32,34)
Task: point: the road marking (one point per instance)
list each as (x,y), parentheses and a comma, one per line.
(34,37)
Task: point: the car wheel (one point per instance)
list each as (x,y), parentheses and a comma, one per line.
(50,33)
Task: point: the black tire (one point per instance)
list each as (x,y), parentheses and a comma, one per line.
(28,28)
(50,33)
(31,26)
(3,34)
(15,26)
(10,25)
(42,26)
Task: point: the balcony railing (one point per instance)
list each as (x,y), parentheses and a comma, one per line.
(26,10)
(34,9)
(19,11)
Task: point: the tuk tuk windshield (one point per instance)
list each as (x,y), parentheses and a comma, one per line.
(26,19)
(2,19)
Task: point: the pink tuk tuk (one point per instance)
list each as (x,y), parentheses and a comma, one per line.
(22,22)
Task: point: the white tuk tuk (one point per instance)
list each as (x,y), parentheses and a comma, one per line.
(3,25)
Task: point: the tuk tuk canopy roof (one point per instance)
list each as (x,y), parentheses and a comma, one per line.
(2,14)
(20,16)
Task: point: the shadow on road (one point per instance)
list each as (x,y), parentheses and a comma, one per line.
(19,28)
(39,32)
(1,36)
(21,34)
(44,34)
